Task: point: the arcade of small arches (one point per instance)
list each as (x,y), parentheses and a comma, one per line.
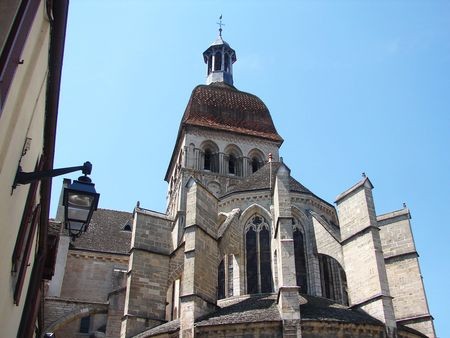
(231,161)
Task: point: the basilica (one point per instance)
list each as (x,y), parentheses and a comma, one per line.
(244,249)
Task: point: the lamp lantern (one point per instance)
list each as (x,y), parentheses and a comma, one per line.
(80,200)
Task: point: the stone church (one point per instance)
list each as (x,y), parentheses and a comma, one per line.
(244,249)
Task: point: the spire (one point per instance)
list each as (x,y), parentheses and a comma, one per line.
(219,58)
(220,25)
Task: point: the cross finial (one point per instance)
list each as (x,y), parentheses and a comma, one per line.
(220,25)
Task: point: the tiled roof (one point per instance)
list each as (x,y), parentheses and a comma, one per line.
(223,107)
(105,232)
(260,180)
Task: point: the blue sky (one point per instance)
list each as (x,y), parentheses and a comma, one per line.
(352,86)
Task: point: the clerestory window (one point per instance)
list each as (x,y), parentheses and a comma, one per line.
(225,277)
(300,261)
(258,260)
(333,279)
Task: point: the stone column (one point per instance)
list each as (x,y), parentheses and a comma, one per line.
(221,164)
(368,286)
(196,159)
(245,167)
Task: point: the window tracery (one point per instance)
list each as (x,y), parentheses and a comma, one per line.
(300,257)
(258,256)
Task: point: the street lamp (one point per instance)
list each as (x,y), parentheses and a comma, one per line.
(80,199)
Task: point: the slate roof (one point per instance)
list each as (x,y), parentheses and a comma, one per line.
(168,327)
(322,309)
(222,107)
(105,232)
(263,308)
(251,309)
(260,180)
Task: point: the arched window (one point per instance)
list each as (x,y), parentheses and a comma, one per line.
(232,163)
(221,280)
(300,261)
(218,61)
(225,277)
(333,279)
(258,260)
(256,160)
(227,63)
(208,159)
(209,64)
(256,164)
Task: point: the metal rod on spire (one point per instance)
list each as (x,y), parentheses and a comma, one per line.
(220,25)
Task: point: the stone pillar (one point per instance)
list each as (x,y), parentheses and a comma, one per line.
(367,281)
(245,167)
(221,164)
(288,291)
(200,258)
(196,159)
(145,300)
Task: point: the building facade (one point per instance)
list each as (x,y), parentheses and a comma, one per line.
(32,34)
(245,250)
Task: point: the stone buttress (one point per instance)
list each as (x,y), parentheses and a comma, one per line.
(199,283)
(147,276)
(368,286)
(403,272)
(288,291)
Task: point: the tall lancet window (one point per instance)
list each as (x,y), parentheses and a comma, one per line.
(209,64)
(258,262)
(218,61)
(227,63)
(300,258)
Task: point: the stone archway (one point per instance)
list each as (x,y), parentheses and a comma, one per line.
(60,312)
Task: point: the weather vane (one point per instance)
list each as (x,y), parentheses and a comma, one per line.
(220,25)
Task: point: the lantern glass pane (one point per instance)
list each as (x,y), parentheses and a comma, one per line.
(76,226)
(79,214)
(80,200)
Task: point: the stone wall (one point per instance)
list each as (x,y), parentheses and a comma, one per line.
(326,243)
(89,275)
(255,330)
